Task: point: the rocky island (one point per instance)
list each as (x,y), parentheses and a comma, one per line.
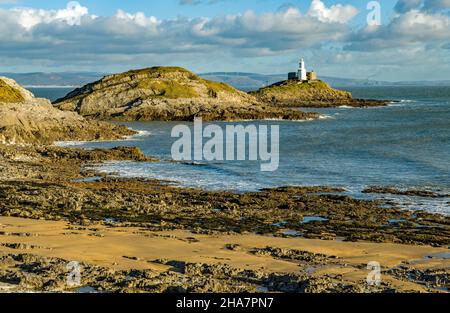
(303,89)
(26,119)
(168,93)
(314,94)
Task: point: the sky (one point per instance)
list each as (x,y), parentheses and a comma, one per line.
(409,41)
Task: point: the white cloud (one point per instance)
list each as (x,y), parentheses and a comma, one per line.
(73,30)
(411,29)
(335,14)
(138,18)
(29,18)
(419,25)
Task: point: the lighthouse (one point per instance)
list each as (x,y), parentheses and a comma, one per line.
(302,71)
(301,74)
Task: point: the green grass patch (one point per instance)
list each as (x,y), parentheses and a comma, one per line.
(9,94)
(155,70)
(217,86)
(292,85)
(168,89)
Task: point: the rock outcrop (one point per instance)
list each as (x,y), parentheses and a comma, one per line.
(26,119)
(168,93)
(293,93)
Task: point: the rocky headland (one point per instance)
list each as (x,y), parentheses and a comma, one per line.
(26,119)
(167,94)
(316,94)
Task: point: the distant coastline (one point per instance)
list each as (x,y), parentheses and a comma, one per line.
(242,81)
(52,86)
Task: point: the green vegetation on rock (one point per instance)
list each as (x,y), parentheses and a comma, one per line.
(9,94)
(296,93)
(168,89)
(297,86)
(152,72)
(217,86)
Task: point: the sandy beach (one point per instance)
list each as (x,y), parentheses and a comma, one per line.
(124,249)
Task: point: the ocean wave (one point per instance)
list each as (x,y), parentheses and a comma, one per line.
(401,103)
(140,134)
(279,120)
(326,117)
(196,177)
(136,137)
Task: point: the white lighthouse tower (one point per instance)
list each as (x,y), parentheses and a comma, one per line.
(302,71)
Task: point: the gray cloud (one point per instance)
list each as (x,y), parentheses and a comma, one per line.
(436,4)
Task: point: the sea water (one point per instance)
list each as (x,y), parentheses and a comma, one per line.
(406,145)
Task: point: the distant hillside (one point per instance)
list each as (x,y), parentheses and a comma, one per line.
(243,81)
(252,81)
(54,79)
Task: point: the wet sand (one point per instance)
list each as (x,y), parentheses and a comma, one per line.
(134,248)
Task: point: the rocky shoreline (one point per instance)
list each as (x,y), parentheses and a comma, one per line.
(51,183)
(409,192)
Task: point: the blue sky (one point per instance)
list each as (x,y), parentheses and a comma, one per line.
(173,8)
(265,36)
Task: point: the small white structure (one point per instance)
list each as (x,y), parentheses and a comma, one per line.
(301,74)
(302,71)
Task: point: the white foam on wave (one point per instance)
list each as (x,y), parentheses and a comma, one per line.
(326,117)
(170,172)
(136,137)
(401,103)
(273,120)
(65,144)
